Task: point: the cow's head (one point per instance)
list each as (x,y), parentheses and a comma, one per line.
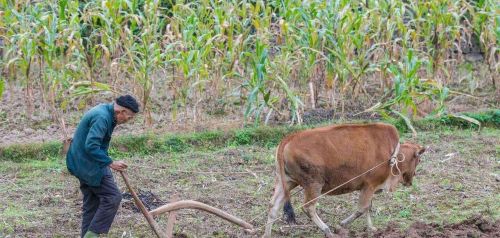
(412,153)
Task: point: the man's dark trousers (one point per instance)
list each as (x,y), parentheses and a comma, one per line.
(100,204)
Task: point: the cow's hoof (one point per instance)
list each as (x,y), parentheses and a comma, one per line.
(328,233)
(341,231)
(250,231)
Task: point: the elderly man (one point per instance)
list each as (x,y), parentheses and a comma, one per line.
(88,160)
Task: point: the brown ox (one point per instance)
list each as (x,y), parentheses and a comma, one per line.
(332,158)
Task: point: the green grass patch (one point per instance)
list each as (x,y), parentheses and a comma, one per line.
(15,211)
(265,136)
(490,118)
(37,151)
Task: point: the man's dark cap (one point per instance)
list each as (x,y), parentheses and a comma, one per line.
(129,102)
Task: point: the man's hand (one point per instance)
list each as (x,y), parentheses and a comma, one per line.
(118,165)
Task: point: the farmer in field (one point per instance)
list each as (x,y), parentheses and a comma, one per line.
(88,160)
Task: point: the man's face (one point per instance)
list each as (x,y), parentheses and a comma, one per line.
(124,115)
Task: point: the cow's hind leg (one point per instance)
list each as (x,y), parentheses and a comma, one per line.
(364,205)
(369,223)
(276,203)
(312,192)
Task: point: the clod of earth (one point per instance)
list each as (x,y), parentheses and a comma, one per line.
(150,200)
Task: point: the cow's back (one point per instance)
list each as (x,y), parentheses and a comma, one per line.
(333,155)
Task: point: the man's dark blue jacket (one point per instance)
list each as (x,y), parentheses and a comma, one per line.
(87,156)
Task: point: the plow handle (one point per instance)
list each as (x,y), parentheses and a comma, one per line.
(143,209)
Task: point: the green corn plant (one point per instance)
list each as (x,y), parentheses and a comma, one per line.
(259,95)
(23,52)
(2,86)
(95,28)
(444,22)
(143,50)
(114,15)
(226,45)
(6,26)
(486,25)
(208,49)
(409,89)
(384,24)
(79,63)
(196,49)
(310,39)
(49,51)
(10,24)
(343,47)
(282,68)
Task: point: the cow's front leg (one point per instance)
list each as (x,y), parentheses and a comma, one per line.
(364,204)
(351,218)
(311,192)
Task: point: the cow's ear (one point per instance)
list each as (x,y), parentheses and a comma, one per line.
(420,152)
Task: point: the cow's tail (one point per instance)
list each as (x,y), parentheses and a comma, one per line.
(288,212)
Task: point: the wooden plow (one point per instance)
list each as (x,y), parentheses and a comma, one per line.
(175,205)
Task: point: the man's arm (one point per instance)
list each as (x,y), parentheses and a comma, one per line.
(95,137)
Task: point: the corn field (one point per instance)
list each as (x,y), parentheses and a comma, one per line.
(269,58)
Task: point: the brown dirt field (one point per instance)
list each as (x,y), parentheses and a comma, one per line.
(476,226)
(456,193)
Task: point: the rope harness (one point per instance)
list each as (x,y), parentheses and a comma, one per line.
(395,160)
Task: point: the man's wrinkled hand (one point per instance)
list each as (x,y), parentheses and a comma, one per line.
(118,165)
